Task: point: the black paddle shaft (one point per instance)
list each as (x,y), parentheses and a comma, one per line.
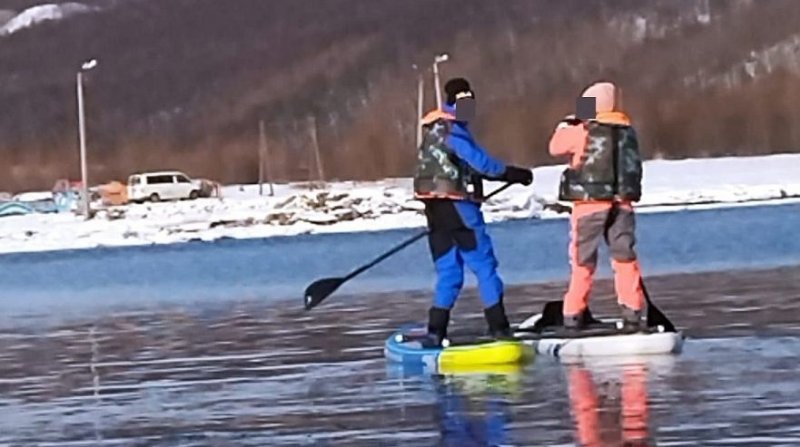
(552,316)
(654,315)
(323,288)
(380,258)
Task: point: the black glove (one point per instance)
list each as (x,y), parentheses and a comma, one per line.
(571,120)
(514,174)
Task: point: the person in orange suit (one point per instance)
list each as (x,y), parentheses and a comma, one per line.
(603,180)
(590,429)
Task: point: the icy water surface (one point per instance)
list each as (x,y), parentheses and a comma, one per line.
(82,281)
(268,374)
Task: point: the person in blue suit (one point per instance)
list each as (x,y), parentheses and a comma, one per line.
(463,426)
(448,179)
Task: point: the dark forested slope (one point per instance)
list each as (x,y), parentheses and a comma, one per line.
(182,83)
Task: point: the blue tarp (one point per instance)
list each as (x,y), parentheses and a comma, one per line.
(14,209)
(61,203)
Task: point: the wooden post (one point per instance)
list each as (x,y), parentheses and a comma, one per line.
(261,143)
(269,168)
(263,156)
(315,143)
(436,85)
(420,99)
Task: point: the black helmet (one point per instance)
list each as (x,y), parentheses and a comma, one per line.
(455,86)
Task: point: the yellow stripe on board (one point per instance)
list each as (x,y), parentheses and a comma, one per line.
(495,353)
(500,369)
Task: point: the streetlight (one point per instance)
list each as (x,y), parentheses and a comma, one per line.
(436,61)
(420,100)
(85,67)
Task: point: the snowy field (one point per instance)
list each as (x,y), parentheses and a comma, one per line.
(364,206)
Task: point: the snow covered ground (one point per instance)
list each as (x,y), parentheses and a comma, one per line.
(41,13)
(363,206)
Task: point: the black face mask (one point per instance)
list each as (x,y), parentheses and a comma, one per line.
(465,109)
(586,108)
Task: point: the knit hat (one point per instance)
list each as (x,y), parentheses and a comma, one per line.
(607,96)
(457,86)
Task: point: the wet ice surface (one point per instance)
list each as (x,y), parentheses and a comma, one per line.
(249,373)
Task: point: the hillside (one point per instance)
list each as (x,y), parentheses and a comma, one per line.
(183,83)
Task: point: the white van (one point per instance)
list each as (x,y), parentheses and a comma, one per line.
(157,186)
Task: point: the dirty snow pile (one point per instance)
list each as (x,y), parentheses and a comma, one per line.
(41,13)
(364,206)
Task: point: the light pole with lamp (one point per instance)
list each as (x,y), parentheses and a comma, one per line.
(420,100)
(436,61)
(86,66)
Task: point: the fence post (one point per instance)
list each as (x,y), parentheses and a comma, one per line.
(315,142)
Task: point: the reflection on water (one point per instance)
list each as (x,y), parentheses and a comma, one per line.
(471,419)
(255,374)
(470,408)
(608,401)
(610,410)
(52,285)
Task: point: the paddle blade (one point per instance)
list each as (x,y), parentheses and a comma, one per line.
(657,318)
(552,315)
(654,315)
(319,290)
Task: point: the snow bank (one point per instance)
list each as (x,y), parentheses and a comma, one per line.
(363,206)
(41,13)
(702,181)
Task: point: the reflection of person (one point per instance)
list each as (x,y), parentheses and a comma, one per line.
(587,408)
(603,180)
(471,422)
(473,404)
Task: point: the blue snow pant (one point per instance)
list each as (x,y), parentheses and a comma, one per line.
(458,237)
(459,426)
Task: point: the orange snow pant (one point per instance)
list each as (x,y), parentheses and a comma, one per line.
(591,430)
(592,222)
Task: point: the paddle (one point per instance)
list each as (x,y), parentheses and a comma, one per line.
(552,316)
(654,315)
(323,288)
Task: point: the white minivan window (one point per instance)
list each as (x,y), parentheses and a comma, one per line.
(183,179)
(157,179)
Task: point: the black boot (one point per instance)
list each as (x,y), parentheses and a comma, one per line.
(631,319)
(498,322)
(574,322)
(438,319)
(579,321)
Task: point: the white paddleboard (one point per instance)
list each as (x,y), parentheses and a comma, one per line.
(650,343)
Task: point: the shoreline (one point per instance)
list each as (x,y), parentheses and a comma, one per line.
(344,228)
(349,206)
